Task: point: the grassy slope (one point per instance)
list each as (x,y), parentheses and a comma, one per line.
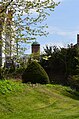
(18,101)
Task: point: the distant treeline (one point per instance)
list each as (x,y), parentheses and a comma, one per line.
(62,64)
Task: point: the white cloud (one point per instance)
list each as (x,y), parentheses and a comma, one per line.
(58,0)
(61,32)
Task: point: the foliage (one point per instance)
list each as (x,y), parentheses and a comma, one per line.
(53,64)
(35,73)
(1,74)
(10,67)
(35,56)
(8,72)
(74,82)
(24,21)
(48,50)
(18,72)
(62,63)
(8,86)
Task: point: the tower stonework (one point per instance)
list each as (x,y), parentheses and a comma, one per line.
(36,50)
(36,47)
(77,39)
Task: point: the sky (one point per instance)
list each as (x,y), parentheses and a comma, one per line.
(63,25)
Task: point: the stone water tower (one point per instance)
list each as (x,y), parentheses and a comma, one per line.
(35,50)
(78,39)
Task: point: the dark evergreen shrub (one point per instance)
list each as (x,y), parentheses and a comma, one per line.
(1,74)
(74,82)
(35,73)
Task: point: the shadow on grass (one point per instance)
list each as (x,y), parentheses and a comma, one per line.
(71,93)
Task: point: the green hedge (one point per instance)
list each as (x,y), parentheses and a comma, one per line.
(35,73)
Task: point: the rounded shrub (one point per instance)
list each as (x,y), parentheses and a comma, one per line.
(35,73)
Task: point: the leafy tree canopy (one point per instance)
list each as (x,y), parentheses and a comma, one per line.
(25,18)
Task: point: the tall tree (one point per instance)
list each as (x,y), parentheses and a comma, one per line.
(26,20)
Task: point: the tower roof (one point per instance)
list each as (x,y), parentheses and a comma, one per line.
(35,43)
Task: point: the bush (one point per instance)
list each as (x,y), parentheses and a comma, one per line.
(1,74)
(9,86)
(18,72)
(74,82)
(35,73)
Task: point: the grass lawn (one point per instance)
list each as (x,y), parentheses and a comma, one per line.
(22,101)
